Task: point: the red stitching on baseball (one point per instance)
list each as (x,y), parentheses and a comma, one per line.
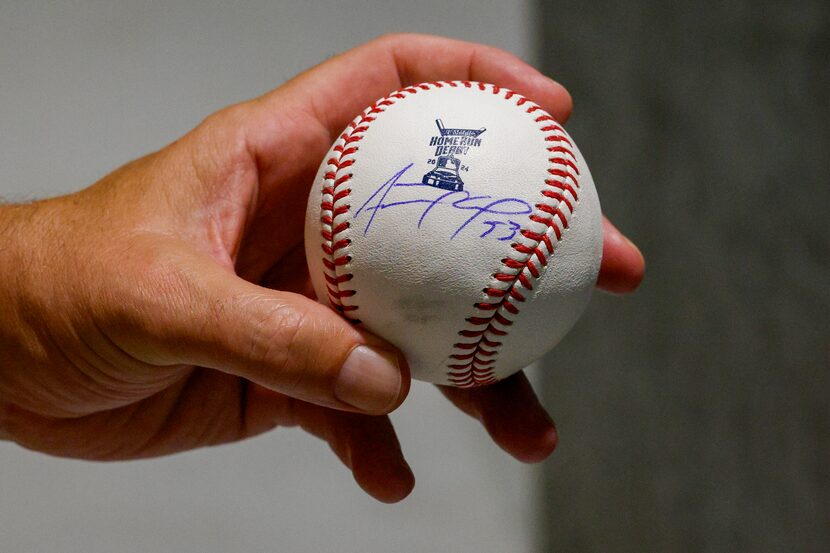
(474,360)
(334,200)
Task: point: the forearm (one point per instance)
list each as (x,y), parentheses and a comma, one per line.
(10,324)
(23,280)
(13,265)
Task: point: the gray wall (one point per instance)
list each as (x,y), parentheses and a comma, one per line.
(702,422)
(87,85)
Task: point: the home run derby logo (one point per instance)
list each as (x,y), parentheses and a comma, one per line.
(449,144)
(437,202)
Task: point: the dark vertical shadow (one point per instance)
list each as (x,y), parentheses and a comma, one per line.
(695,416)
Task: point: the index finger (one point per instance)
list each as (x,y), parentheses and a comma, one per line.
(341,87)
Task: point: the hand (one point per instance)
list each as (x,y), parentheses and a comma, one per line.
(168,306)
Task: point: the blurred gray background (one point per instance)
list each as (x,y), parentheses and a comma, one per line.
(702,422)
(694,416)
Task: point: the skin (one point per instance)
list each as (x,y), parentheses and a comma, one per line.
(168,306)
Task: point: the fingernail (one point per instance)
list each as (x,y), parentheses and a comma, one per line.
(370,379)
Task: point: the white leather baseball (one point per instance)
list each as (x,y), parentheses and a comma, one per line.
(460,222)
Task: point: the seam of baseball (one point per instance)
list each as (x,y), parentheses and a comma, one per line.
(334,206)
(518,272)
(472,363)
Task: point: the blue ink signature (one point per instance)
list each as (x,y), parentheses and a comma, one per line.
(489,211)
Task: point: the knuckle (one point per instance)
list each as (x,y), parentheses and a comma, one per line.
(219,118)
(391,40)
(221,152)
(226,121)
(387,38)
(297,349)
(224,133)
(278,338)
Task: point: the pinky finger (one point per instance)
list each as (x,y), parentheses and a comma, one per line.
(366,444)
(511,413)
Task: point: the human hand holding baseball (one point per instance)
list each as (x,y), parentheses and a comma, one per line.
(167,307)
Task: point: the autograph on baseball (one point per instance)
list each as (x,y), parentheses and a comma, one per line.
(494,217)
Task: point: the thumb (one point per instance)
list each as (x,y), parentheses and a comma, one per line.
(286,342)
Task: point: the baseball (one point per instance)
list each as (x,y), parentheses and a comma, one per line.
(459,221)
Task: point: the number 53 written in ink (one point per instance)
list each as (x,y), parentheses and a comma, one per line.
(507,229)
